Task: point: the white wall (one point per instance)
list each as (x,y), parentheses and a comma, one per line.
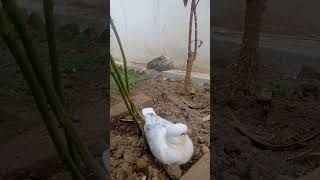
(150,28)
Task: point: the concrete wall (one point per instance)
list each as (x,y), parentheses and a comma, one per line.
(284,16)
(150,28)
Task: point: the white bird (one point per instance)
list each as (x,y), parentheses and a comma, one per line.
(169,143)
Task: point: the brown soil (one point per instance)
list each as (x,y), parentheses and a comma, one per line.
(130,157)
(27,150)
(291,119)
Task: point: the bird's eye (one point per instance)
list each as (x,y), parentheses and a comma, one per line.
(183,134)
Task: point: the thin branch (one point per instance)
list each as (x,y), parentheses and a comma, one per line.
(195,31)
(197,3)
(190,30)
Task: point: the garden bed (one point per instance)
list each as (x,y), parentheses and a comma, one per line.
(130,157)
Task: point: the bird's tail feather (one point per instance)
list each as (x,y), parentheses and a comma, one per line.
(146,111)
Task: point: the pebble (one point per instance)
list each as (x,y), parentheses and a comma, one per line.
(128,157)
(205,150)
(142,163)
(174,171)
(201,139)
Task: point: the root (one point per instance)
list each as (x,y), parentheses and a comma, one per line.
(303,154)
(260,143)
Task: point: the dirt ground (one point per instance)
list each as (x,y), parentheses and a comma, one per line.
(29,152)
(130,159)
(85,13)
(26,148)
(290,129)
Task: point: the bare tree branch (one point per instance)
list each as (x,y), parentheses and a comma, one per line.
(195,29)
(197,3)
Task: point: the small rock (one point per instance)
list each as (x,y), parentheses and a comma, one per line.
(207,118)
(174,171)
(205,150)
(201,139)
(142,163)
(128,156)
(160,63)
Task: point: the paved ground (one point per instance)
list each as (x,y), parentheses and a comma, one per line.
(200,170)
(293,44)
(285,53)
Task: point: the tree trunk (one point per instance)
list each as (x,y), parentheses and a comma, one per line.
(187,79)
(191,55)
(249,61)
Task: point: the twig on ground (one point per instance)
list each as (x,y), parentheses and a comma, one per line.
(5,65)
(304,153)
(126,120)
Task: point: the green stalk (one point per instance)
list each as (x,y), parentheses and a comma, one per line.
(26,68)
(15,15)
(122,53)
(48,14)
(50,27)
(132,105)
(125,95)
(125,98)
(125,68)
(125,88)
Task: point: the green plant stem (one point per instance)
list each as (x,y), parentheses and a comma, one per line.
(125,95)
(128,95)
(50,27)
(17,19)
(26,68)
(48,12)
(122,53)
(119,75)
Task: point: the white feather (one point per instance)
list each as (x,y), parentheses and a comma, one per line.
(146,111)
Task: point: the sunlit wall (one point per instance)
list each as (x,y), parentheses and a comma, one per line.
(150,28)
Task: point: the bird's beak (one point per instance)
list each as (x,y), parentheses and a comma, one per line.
(189,131)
